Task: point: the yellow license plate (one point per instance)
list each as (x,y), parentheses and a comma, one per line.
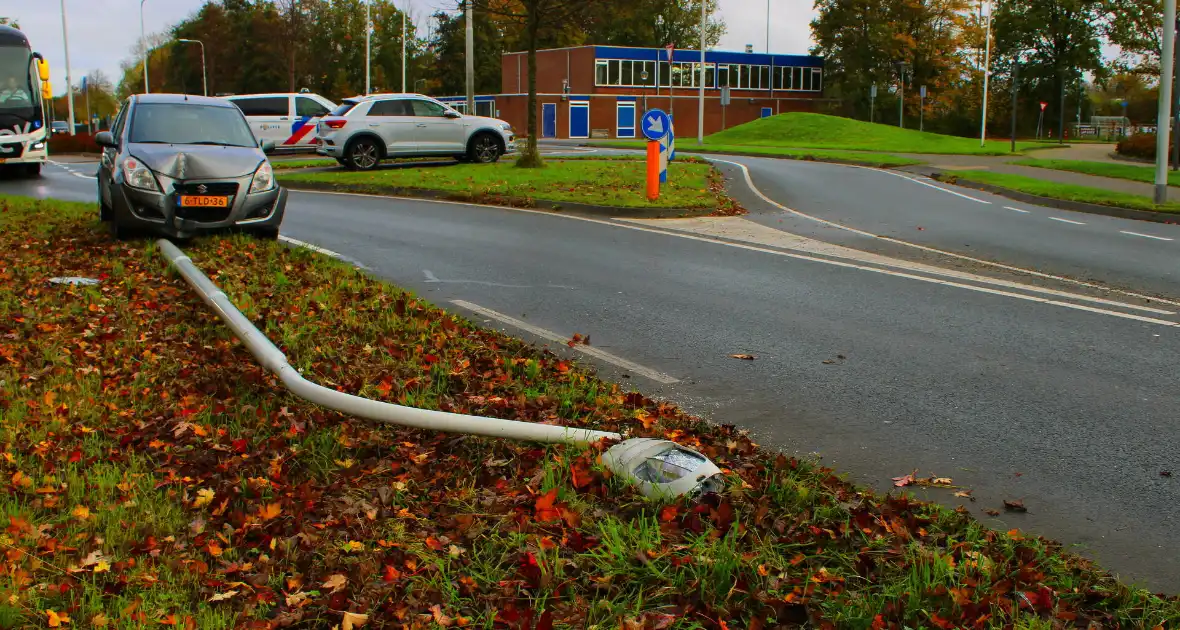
(203,201)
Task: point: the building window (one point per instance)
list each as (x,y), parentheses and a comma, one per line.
(625,77)
(600,72)
(665,74)
(817,82)
(613,75)
(764,77)
(796,78)
(723,76)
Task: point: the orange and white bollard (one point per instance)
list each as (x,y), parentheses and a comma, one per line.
(653,170)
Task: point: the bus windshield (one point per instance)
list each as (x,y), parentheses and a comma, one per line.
(19,96)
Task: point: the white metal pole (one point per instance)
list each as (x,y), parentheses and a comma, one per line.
(368,46)
(768,29)
(204,75)
(1163,120)
(470,60)
(987,58)
(65,34)
(403,51)
(144,43)
(701,104)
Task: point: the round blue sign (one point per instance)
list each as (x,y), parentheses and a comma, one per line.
(655,124)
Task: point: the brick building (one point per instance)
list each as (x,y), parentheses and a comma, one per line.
(600,91)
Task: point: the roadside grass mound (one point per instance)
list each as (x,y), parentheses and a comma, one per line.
(1145,174)
(1067,192)
(879,160)
(156,475)
(612,182)
(820,131)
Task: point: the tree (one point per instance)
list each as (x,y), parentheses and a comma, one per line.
(449,45)
(655,23)
(8,21)
(1134,26)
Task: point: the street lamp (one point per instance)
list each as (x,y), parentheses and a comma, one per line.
(65,35)
(143,42)
(987,60)
(204,76)
(901,67)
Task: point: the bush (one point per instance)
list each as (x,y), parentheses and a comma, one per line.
(80,143)
(1140,145)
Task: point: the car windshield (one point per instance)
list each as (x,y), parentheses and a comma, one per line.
(343,108)
(187,123)
(18,97)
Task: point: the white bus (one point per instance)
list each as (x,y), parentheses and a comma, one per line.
(24,91)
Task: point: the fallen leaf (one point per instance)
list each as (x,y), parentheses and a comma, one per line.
(81,512)
(204,497)
(991,512)
(1165,473)
(1016,505)
(353,546)
(56,619)
(964,494)
(353,620)
(439,617)
(335,582)
(102,566)
(270,511)
(100,621)
(941,481)
(220,597)
(545,509)
(904,480)
(743,357)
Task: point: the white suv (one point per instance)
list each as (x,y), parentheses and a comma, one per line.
(364,130)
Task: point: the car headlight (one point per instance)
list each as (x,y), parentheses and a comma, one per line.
(136,175)
(264,179)
(506,126)
(37,146)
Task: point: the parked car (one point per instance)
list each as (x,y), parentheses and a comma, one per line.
(181,165)
(364,130)
(288,120)
(59,126)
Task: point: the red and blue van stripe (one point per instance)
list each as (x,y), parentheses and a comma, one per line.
(299,130)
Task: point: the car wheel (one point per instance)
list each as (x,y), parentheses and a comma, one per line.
(119,231)
(484,149)
(104,211)
(362,155)
(265,234)
(33,170)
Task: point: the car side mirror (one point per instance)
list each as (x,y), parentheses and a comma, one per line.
(451,114)
(267,146)
(105,139)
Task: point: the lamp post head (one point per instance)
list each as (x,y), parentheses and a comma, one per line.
(663,469)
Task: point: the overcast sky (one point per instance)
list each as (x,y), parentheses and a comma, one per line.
(102,32)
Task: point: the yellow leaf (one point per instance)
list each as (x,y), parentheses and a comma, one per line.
(99,621)
(215,549)
(81,512)
(270,511)
(204,497)
(353,546)
(21,480)
(56,619)
(335,582)
(49,399)
(219,597)
(353,620)
(102,566)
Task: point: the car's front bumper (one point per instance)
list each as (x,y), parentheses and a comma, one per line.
(155,211)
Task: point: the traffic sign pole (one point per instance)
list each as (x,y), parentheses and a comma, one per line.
(653,170)
(657,128)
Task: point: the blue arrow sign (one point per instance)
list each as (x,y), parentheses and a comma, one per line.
(655,124)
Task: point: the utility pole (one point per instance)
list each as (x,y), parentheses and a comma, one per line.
(987,60)
(65,35)
(470,60)
(901,93)
(1165,103)
(1015,88)
(1175,111)
(142,39)
(368,46)
(701,103)
(403,51)
(1061,114)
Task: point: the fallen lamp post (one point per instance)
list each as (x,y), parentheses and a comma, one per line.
(658,468)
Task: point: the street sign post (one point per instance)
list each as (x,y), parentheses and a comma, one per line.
(872,102)
(656,126)
(922,110)
(725,100)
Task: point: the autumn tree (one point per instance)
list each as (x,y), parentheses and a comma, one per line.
(655,23)
(450,52)
(1134,26)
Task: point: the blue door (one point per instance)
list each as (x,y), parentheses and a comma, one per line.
(549,120)
(579,119)
(767,112)
(626,120)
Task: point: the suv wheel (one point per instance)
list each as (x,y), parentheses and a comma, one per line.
(484,149)
(362,154)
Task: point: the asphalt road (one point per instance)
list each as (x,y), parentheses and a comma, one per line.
(1072,411)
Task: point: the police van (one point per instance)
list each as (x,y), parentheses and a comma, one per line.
(288,120)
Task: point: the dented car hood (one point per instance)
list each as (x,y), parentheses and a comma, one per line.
(198,161)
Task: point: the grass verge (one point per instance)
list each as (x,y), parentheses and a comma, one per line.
(820,131)
(613,183)
(1145,174)
(880,160)
(288,165)
(155,475)
(1067,192)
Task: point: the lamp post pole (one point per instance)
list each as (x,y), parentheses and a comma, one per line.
(470,28)
(1015,88)
(987,60)
(1165,103)
(701,100)
(69,85)
(143,42)
(204,75)
(368,47)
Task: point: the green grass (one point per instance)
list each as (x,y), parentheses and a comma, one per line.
(618,183)
(1068,192)
(1145,174)
(881,160)
(286,165)
(819,131)
(417,525)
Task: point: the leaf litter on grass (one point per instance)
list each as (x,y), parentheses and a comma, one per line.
(218,500)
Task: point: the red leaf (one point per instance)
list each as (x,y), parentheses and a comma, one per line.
(240,445)
(545,510)
(391,573)
(434,543)
(668,514)
(545,622)
(75,456)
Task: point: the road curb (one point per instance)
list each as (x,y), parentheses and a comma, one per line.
(501,200)
(1063,204)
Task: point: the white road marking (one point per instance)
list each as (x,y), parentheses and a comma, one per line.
(1016,209)
(756,191)
(918,181)
(1158,238)
(618,361)
(776,252)
(1066,221)
(83,176)
(430,277)
(314,248)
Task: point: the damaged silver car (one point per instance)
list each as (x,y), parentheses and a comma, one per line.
(180,165)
